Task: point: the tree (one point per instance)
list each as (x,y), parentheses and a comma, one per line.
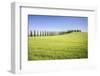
(40,33)
(45,33)
(31,34)
(37,33)
(34,33)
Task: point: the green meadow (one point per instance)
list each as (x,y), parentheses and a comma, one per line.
(67,46)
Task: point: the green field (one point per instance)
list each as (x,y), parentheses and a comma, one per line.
(68,46)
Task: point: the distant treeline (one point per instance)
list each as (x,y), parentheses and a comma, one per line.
(48,33)
(69,31)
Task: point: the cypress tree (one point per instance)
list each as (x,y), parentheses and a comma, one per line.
(31,34)
(34,33)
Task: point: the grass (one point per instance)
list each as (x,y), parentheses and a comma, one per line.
(68,46)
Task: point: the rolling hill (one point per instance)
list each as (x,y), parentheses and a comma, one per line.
(67,46)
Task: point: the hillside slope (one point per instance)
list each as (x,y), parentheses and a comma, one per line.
(67,46)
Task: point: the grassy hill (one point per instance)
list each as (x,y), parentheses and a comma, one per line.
(68,46)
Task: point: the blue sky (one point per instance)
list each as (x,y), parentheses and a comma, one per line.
(57,23)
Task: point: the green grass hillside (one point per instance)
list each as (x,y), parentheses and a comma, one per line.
(68,46)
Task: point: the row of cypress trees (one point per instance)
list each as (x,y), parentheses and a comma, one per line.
(46,33)
(40,33)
